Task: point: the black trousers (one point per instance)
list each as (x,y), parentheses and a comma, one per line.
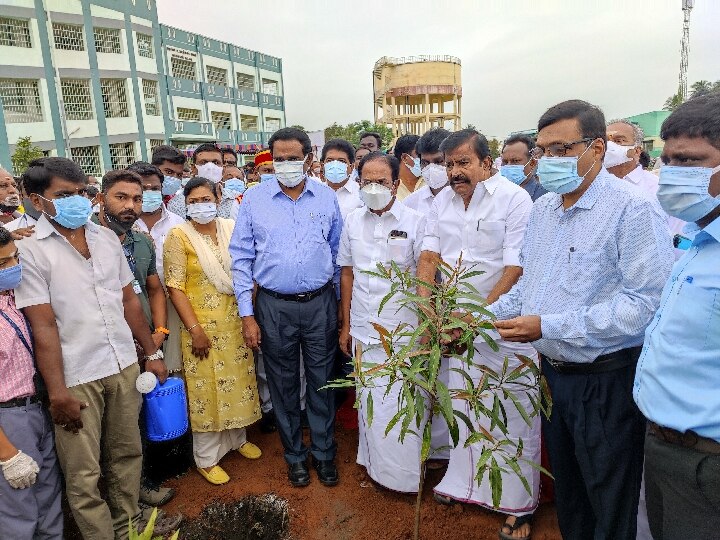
(286,328)
(595,440)
(682,490)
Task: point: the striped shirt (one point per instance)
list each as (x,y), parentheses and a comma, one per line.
(16,363)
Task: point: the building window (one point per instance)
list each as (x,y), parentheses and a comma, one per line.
(183,69)
(246,81)
(270,87)
(216,75)
(88,158)
(14,32)
(114,96)
(191,115)
(107,40)
(77,99)
(150,93)
(122,155)
(144,45)
(68,37)
(20,101)
(221,120)
(272,124)
(248,123)
(154,143)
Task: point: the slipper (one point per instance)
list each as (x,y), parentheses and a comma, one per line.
(216,475)
(442,499)
(250,451)
(519,522)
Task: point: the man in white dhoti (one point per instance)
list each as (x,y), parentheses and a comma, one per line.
(382,231)
(483,218)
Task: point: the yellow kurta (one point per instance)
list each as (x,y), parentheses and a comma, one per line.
(222,389)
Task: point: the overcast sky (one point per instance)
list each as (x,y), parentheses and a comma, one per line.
(517,58)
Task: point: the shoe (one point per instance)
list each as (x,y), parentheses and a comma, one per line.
(250,451)
(298,474)
(216,475)
(155,495)
(164,525)
(267,423)
(442,499)
(327,471)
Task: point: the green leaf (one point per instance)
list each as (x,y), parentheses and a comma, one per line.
(496,484)
(426,440)
(370,409)
(512,463)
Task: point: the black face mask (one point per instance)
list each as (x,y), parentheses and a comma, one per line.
(7,209)
(118,226)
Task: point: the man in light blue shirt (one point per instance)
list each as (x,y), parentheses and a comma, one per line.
(286,241)
(595,256)
(677,385)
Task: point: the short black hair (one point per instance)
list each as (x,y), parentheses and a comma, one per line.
(91,190)
(338,144)
(527,140)
(206,147)
(429,143)
(196,182)
(476,139)
(697,117)
(164,153)
(392,162)
(40,172)
(589,116)
(120,175)
(405,145)
(291,134)
(5,236)
(377,137)
(644,159)
(143,168)
(228,150)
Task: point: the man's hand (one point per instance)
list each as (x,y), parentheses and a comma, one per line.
(200,342)
(521,329)
(157,368)
(345,341)
(24,232)
(20,471)
(65,411)
(251,332)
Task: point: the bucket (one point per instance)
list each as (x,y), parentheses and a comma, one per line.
(166,413)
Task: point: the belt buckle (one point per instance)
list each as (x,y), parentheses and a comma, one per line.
(557,365)
(302,296)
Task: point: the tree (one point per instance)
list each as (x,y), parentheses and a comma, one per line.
(352,132)
(298,126)
(700,88)
(24,153)
(673,102)
(471,126)
(495,147)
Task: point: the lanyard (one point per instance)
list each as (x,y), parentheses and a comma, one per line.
(130,255)
(18,331)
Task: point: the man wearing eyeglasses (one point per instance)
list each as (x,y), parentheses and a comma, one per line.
(596,255)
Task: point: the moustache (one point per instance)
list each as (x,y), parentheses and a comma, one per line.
(458,180)
(11,200)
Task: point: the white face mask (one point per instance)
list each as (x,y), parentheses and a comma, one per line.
(616,154)
(289,173)
(202,213)
(435,175)
(376,196)
(210,171)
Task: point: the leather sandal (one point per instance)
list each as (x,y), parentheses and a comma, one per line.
(519,522)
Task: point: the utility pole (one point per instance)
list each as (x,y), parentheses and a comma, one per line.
(687,6)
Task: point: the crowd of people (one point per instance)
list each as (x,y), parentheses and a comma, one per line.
(251,282)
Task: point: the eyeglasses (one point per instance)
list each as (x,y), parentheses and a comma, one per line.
(557,149)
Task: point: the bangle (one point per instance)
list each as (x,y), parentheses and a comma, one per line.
(162,330)
(193,326)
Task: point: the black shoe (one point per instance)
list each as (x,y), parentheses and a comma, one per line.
(298,474)
(267,423)
(327,471)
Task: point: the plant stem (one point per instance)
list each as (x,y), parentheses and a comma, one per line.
(418,500)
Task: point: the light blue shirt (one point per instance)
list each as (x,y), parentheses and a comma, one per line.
(287,246)
(594,272)
(677,384)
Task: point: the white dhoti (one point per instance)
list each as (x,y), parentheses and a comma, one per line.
(459,481)
(209,447)
(440,444)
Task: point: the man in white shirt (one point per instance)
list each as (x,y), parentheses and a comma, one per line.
(337,159)
(432,166)
(483,219)
(410,175)
(381,232)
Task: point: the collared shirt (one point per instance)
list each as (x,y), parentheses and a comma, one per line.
(489,233)
(348,197)
(159,232)
(368,239)
(403,192)
(593,272)
(176,205)
(20,222)
(17,367)
(421,200)
(677,384)
(534,188)
(85,295)
(286,246)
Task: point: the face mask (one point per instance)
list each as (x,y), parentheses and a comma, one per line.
(184,182)
(354,176)
(415,169)
(376,196)
(210,171)
(514,173)
(171,185)
(616,155)
(70,212)
(116,225)
(336,172)
(233,187)
(267,176)
(435,175)
(10,277)
(152,200)
(559,174)
(202,213)
(683,191)
(289,173)
(96,209)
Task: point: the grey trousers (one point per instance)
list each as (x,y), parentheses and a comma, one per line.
(31,513)
(287,329)
(682,488)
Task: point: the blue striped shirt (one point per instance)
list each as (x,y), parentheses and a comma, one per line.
(286,246)
(593,272)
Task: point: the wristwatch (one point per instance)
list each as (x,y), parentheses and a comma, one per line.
(158,355)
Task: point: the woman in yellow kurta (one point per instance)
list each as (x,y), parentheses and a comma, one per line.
(218,367)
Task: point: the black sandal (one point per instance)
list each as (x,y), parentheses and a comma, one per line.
(519,522)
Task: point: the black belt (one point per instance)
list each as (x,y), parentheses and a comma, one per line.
(602,364)
(301,297)
(19,402)
(689,439)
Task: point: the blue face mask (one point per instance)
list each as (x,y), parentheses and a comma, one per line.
(71,212)
(233,187)
(266,177)
(152,200)
(415,169)
(10,277)
(335,172)
(683,191)
(559,174)
(514,173)
(170,185)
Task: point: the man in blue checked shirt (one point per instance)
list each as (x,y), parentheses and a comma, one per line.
(595,256)
(677,385)
(286,240)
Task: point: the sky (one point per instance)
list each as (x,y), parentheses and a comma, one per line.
(519,57)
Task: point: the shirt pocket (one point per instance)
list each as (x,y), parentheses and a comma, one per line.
(697,329)
(590,271)
(487,240)
(399,250)
(319,229)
